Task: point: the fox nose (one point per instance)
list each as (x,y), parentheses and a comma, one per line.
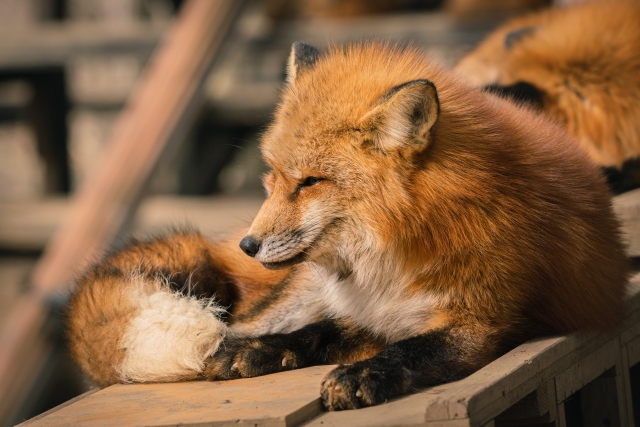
(250,246)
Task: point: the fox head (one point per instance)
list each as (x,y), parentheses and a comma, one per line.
(341,150)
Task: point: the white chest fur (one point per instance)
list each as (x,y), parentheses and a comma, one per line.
(384,306)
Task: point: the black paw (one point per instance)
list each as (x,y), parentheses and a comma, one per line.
(249,357)
(362,384)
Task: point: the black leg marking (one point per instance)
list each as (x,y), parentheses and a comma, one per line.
(400,368)
(320,343)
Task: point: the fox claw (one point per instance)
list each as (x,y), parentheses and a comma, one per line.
(359,385)
(246,358)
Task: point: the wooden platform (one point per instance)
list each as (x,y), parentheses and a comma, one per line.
(284,399)
(554,380)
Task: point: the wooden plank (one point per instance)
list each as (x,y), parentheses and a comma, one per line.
(28,225)
(587,370)
(538,407)
(624,400)
(561,420)
(599,401)
(159,111)
(213,216)
(626,384)
(499,379)
(496,391)
(54,44)
(490,391)
(627,209)
(57,408)
(633,351)
(485,405)
(405,411)
(435,404)
(280,400)
(553,409)
(633,294)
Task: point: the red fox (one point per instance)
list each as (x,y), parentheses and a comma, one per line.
(415,229)
(580,65)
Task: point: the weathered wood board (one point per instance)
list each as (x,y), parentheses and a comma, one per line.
(285,399)
(627,209)
(53,45)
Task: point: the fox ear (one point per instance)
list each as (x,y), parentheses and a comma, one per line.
(403,117)
(302,56)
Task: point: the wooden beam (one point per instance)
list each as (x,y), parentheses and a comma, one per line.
(154,112)
(52,45)
(159,111)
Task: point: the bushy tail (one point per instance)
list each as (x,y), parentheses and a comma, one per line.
(128,325)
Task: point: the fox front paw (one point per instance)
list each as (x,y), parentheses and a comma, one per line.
(249,357)
(361,384)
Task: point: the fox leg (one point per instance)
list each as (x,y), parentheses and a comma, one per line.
(438,356)
(320,343)
(376,372)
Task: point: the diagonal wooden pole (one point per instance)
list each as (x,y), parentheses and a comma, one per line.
(160,109)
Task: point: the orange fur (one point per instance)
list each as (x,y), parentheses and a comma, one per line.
(584,59)
(419,204)
(102,308)
(496,190)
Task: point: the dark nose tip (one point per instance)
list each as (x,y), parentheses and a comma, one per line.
(250,246)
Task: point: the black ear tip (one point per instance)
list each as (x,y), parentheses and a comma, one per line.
(302,47)
(421,82)
(305,54)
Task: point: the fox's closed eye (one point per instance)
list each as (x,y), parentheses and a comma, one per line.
(310,181)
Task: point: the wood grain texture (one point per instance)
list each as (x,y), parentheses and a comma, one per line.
(587,370)
(627,209)
(57,408)
(285,399)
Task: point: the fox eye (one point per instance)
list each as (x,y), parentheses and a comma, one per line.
(310,181)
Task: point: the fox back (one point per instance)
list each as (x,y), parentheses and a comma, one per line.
(580,64)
